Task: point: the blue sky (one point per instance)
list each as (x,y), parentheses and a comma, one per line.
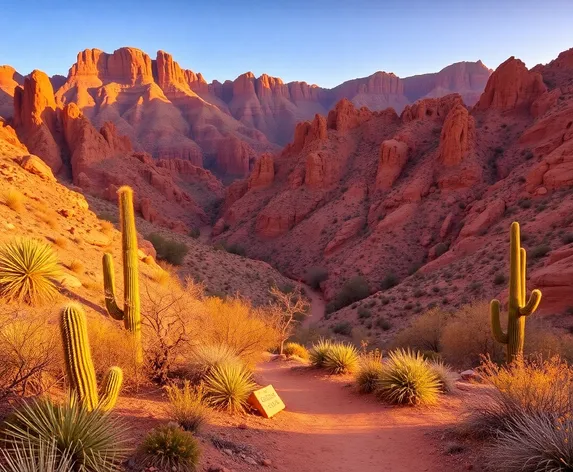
(322,42)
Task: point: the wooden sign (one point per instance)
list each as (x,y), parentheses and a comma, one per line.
(266,401)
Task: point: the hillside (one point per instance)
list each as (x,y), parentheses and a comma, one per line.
(423,200)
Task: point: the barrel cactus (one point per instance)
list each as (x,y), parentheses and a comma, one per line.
(518,306)
(79,365)
(131,312)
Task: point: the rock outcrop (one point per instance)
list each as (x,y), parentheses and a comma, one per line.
(263,172)
(511,87)
(393,158)
(9,80)
(457,136)
(346,116)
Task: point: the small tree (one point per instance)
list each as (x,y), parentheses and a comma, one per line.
(288,309)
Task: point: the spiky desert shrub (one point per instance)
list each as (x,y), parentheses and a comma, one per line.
(406,378)
(24,456)
(168,447)
(522,388)
(318,352)
(532,443)
(205,357)
(228,386)
(27,267)
(186,406)
(94,440)
(295,349)
(369,370)
(444,375)
(341,359)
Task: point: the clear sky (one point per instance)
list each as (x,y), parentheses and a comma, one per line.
(319,41)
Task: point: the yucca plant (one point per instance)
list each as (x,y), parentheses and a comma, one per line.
(24,456)
(228,386)
(27,267)
(318,352)
(168,447)
(207,356)
(444,375)
(369,371)
(295,349)
(407,378)
(341,359)
(186,406)
(93,440)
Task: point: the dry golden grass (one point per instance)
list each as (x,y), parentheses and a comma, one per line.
(106,227)
(160,276)
(77,266)
(60,241)
(14,200)
(50,217)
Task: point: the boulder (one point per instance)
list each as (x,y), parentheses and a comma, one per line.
(37,166)
(484,220)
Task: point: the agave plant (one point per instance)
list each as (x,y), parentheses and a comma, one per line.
(341,359)
(369,371)
(228,386)
(25,456)
(27,267)
(319,351)
(92,440)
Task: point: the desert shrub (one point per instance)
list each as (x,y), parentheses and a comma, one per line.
(318,352)
(468,335)
(352,291)
(499,279)
(195,233)
(316,275)
(532,443)
(160,276)
(228,386)
(444,375)
(540,251)
(389,281)
(383,324)
(106,227)
(341,359)
(425,332)
(567,238)
(27,267)
(364,312)
(94,440)
(186,406)
(236,323)
(368,373)
(24,456)
(77,266)
(344,328)
(236,249)
(61,242)
(29,351)
(205,357)
(407,378)
(168,447)
(522,388)
(14,200)
(294,349)
(441,248)
(524,203)
(168,250)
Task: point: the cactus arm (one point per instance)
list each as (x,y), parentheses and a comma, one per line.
(109,287)
(111,388)
(532,304)
(496,329)
(77,354)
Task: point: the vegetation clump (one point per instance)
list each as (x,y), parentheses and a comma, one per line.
(228,387)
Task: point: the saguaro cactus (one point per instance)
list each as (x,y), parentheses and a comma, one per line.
(517,306)
(79,363)
(130,314)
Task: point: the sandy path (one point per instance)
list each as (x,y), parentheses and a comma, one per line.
(329,427)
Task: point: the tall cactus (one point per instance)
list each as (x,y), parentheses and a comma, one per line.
(130,314)
(79,365)
(517,306)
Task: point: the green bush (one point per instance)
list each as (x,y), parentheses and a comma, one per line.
(441,249)
(228,386)
(341,359)
(499,279)
(369,371)
(168,447)
(344,328)
(94,440)
(364,312)
(186,406)
(318,352)
(294,349)
(236,249)
(352,291)
(407,378)
(315,276)
(383,324)
(168,250)
(540,251)
(389,281)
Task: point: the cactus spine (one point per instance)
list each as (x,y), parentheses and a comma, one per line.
(130,314)
(79,365)
(517,306)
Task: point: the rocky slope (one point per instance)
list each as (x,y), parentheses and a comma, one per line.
(423,200)
(171,112)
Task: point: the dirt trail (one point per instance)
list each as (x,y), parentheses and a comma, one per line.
(317,305)
(329,427)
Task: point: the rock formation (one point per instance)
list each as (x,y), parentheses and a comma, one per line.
(393,158)
(456,137)
(263,172)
